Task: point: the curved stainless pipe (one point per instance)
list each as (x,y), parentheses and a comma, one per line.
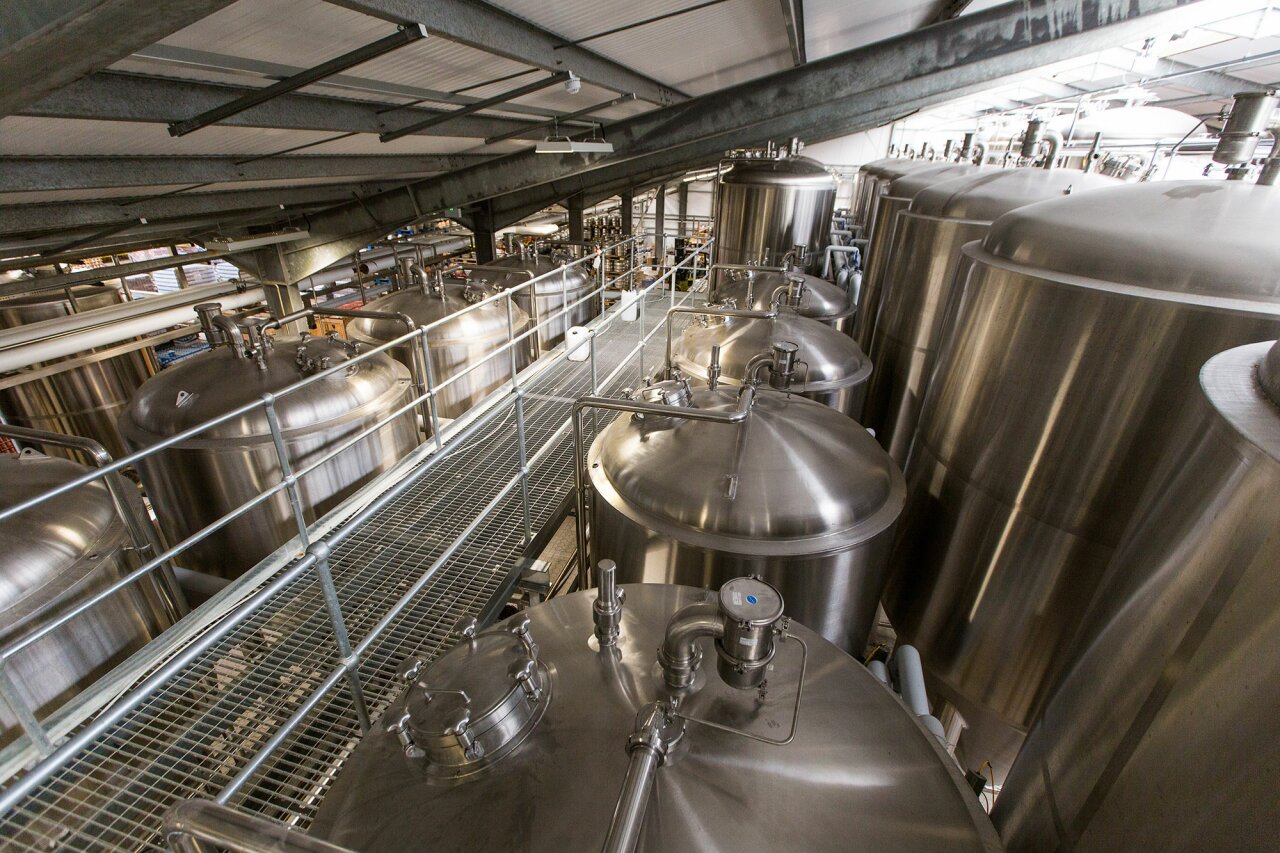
(679,654)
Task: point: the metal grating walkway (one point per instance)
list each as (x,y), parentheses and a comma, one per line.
(194,736)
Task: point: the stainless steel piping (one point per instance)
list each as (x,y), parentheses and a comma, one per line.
(202,826)
(712,312)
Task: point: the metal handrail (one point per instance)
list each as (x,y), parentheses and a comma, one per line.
(201,826)
(314,558)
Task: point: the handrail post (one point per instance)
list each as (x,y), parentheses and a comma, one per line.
(286,469)
(349,660)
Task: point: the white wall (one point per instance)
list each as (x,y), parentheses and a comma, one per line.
(853,150)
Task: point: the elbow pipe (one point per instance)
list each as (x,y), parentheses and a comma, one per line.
(680,654)
(194,826)
(1052,141)
(854,249)
(232,335)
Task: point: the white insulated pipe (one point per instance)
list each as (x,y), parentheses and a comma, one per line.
(58,338)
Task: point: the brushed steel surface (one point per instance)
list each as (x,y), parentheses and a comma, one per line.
(466,339)
(899,184)
(55,556)
(766,207)
(919,281)
(1067,370)
(753,289)
(552,293)
(798,494)
(201,479)
(1162,735)
(86,400)
(861,771)
(836,375)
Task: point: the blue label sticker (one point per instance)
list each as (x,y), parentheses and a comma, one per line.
(751,599)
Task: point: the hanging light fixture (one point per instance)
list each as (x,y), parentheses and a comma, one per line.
(557,144)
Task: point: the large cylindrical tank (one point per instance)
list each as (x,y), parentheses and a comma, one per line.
(197,481)
(85,400)
(52,557)
(868,190)
(567,287)
(899,184)
(797,493)
(916,289)
(754,289)
(860,773)
(1162,735)
(766,207)
(1066,372)
(455,345)
(834,371)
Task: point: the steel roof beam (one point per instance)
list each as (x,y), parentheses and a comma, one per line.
(116,96)
(621,99)
(793,20)
(488,28)
(1214,83)
(401,37)
(46,44)
(496,100)
(905,73)
(184,57)
(37,174)
(36,219)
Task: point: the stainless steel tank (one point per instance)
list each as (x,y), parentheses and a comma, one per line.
(465,339)
(200,479)
(552,703)
(797,493)
(765,207)
(567,287)
(868,190)
(1065,375)
(820,299)
(1162,735)
(834,372)
(52,557)
(85,400)
(916,289)
(898,185)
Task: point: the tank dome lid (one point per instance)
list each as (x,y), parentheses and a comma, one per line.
(1269,373)
(821,299)
(833,358)
(494,277)
(789,171)
(873,167)
(991,193)
(902,166)
(910,184)
(42,545)
(213,383)
(1212,239)
(795,477)
(478,324)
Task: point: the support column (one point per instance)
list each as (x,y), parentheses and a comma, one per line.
(682,201)
(575,205)
(283,297)
(660,225)
(627,199)
(482,232)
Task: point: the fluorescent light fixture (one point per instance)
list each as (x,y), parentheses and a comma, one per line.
(240,244)
(565,145)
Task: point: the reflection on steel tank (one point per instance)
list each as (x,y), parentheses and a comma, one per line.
(85,400)
(899,184)
(56,555)
(770,202)
(570,704)
(916,289)
(1177,679)
(466,337)
(1069,365)
(565,286)
(198,480)
(796,493)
